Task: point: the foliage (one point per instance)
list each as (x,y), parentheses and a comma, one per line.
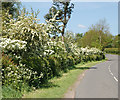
(59,14)
(40,66)
(12,8)
(78,38)
(97,36)
(54,65)
(31,57)
(112,50)
(18,76)
(116,41)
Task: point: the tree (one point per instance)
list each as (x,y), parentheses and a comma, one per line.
(61,13)
(78,38)
(98,35)
(116,41)
(90,39)
(12,7)
(102,28)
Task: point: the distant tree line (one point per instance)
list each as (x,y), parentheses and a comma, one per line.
(98,36)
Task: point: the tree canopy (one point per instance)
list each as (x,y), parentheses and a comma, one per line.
(98,36)
(60,13)
(12,7)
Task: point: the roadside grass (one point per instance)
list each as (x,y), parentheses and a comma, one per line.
(113,53)
(58,86)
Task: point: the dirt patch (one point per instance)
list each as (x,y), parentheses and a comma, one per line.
(71,90)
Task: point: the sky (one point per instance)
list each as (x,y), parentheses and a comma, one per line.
(84,14)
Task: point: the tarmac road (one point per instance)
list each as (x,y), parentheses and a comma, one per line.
(100,81)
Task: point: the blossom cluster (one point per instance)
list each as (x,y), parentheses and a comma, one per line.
(12,44)
(89,51)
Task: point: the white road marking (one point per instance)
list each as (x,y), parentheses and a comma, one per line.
(112,73)
(116,79)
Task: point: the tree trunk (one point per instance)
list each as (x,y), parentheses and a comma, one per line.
(64,22)
(63,30)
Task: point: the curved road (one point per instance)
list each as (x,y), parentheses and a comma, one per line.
(100,82)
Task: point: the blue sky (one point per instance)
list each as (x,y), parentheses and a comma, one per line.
(84,14)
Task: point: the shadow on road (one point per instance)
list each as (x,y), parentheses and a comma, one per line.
(83,68)
(110,60)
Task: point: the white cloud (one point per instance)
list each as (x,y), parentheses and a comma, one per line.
(81,26)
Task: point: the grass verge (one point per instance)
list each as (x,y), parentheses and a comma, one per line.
(113,53)
(57,87)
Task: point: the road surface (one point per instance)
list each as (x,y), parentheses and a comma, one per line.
(101,81)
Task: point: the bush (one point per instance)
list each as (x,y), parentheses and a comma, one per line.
(64,63)
(77,59)
(18,76)
(71,61)
(54,65)
(39,65)
(112,50)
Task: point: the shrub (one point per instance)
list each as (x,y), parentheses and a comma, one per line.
(39,65)
(18,76)
(54,65)
(64,63)
(71,61)
(112,50)
(77,59)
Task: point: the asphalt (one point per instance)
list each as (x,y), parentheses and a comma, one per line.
(101,81)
